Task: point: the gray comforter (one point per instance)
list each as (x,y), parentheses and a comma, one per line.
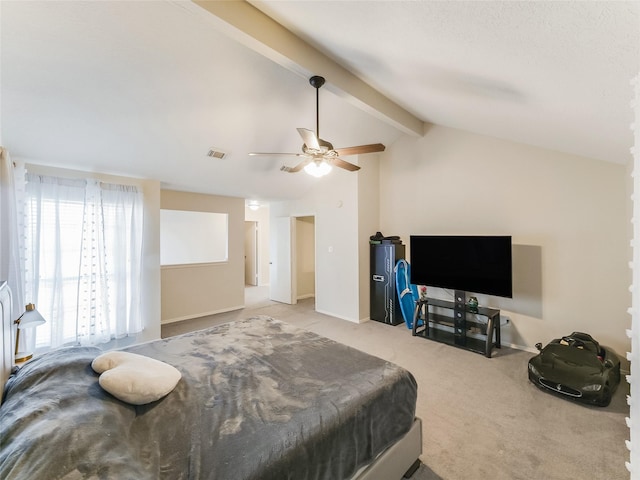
(258,399)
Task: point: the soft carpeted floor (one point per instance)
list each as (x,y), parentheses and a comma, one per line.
(482,418)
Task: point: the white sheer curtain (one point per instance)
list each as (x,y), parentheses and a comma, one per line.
(10,260)
(83,243)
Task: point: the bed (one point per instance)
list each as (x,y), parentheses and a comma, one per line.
(257,399)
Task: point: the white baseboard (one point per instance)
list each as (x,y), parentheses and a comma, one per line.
(198,315)
(340,316)
(519,347)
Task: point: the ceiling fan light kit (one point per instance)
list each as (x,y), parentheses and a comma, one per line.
(318,155)
(317,169)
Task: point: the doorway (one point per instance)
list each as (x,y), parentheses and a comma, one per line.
(250,253)
(305,257)
(292,259)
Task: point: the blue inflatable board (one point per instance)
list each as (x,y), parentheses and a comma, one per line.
(407,292)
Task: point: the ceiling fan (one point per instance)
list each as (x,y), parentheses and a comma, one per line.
(318,155)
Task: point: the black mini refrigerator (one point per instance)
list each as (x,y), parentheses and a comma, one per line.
(383,304)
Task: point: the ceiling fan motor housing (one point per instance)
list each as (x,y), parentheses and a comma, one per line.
(316,81)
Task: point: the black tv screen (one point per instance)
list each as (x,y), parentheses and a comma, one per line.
(478,264)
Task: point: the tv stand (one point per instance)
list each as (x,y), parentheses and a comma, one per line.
(460,328)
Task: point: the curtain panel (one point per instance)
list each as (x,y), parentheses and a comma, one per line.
(83,247)
(11,265)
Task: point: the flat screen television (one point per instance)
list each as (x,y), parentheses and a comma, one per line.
(478,264)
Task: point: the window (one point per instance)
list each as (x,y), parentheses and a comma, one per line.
(82,247)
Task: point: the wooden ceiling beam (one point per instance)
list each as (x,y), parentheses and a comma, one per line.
(248,25)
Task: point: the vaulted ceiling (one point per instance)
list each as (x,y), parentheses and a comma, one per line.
(146,88)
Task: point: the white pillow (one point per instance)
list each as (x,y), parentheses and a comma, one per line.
(133,378)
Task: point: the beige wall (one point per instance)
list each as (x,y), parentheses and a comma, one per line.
(190,291)
(568,217)
(368,224)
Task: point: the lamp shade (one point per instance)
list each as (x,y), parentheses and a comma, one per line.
(31,317)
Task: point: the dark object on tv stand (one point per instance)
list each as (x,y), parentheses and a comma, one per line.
(454,330)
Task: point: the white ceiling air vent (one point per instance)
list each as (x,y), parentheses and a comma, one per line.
(213,153)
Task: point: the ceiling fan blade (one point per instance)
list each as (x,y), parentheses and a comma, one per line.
(309,138)
(253,154)
(360,149)
(297,168)
(338,162)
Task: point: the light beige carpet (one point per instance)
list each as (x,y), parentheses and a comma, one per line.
(482,418)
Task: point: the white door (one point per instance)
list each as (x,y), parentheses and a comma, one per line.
(280,273)
(251,253)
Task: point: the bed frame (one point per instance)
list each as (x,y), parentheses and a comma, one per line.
(399,459)
(6,335)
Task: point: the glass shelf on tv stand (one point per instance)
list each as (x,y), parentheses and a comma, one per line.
(463,332)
